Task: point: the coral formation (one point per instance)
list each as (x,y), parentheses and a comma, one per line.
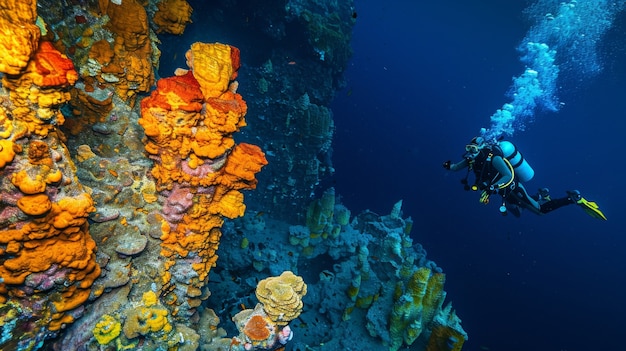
(256,329)
(447,334)
(372,281)
(173,16)
(47,256)
(20,34)
(39,91)
(149,318)
(152,171)
(416,300)
(189,121)
(266,325)
(282,297)
(107,329)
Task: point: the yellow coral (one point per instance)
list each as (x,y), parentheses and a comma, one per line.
(149,298)
(149,317)
(417,284)
(34,205)
(20,34)
(107,329)
(433,298)
(282,297)
(144,320)
(6,152)
(416,302)
(230,205)
(212,67)
(28,185)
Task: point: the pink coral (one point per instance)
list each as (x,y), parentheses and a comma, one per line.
(178,202)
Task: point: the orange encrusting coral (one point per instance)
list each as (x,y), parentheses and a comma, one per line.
(257,328)
(58,238)
(214,66)
(52,68)
(20,34)
(102,52)
(38,92)
(6,152)
(47,257)
(189,121)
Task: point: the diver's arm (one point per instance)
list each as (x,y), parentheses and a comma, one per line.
(455,166)
(505,172)
(459,165)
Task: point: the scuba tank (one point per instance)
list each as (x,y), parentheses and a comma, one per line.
(523,171)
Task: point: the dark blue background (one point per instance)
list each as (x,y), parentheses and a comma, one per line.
(425,77)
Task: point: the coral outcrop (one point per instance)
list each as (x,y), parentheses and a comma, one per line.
(266,326)
(199,171)
(282,297)
(367,278)
(40,90)
(47,256)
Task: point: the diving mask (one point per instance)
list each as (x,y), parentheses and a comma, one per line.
(472,150)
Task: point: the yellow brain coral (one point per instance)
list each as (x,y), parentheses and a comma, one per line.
(149,318)
(107,329)
(282,296)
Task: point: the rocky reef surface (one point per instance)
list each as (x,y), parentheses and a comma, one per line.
(123,224)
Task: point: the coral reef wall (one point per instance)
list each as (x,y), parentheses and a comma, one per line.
(47,256)
(153,206)
(122,216)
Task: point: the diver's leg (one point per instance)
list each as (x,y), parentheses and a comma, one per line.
(525,199)
(552,205)
(520,197)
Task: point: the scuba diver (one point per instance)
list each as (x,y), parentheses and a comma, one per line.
(499,168)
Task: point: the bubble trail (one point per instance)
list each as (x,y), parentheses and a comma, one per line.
(562,42)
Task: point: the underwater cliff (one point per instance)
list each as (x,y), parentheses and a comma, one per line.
(161,164)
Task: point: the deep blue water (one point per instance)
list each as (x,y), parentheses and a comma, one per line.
(424,78)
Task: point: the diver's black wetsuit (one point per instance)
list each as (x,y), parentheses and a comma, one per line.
(491,171)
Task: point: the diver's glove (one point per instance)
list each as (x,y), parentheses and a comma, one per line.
(447,164)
